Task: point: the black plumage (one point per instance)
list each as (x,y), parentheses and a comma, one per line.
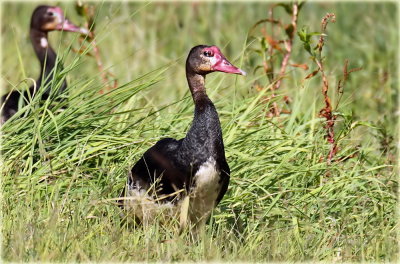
(43,20)
(195,164)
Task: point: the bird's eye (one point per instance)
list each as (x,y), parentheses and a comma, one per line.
(208,53)
(50,14)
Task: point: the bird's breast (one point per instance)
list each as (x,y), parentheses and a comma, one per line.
(205,190)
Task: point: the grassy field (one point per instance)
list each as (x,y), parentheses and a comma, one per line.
(61,169)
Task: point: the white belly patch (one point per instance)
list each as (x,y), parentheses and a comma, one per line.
(205,191)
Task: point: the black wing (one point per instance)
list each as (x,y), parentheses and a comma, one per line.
(11,105)
(159,166)
(225,176)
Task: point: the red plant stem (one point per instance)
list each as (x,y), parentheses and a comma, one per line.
(327,110)
(270,48)
(97,54)
(98,60)
(88,12)
(288,45)
(285,61)
(327,113)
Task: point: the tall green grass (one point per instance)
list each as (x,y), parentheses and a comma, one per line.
(63,164)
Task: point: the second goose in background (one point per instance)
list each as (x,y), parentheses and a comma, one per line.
(44,19)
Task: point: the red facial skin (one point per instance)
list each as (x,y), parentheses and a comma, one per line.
(220,63)
(64,24)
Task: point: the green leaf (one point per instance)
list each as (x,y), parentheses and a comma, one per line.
(80,9)
(307,47)
(264,44)
(288,8)
(302,33)
(301,5)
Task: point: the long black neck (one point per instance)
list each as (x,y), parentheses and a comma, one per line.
(47,58)
(204,138)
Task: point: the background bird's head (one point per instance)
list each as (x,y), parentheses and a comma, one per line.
(49,18)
